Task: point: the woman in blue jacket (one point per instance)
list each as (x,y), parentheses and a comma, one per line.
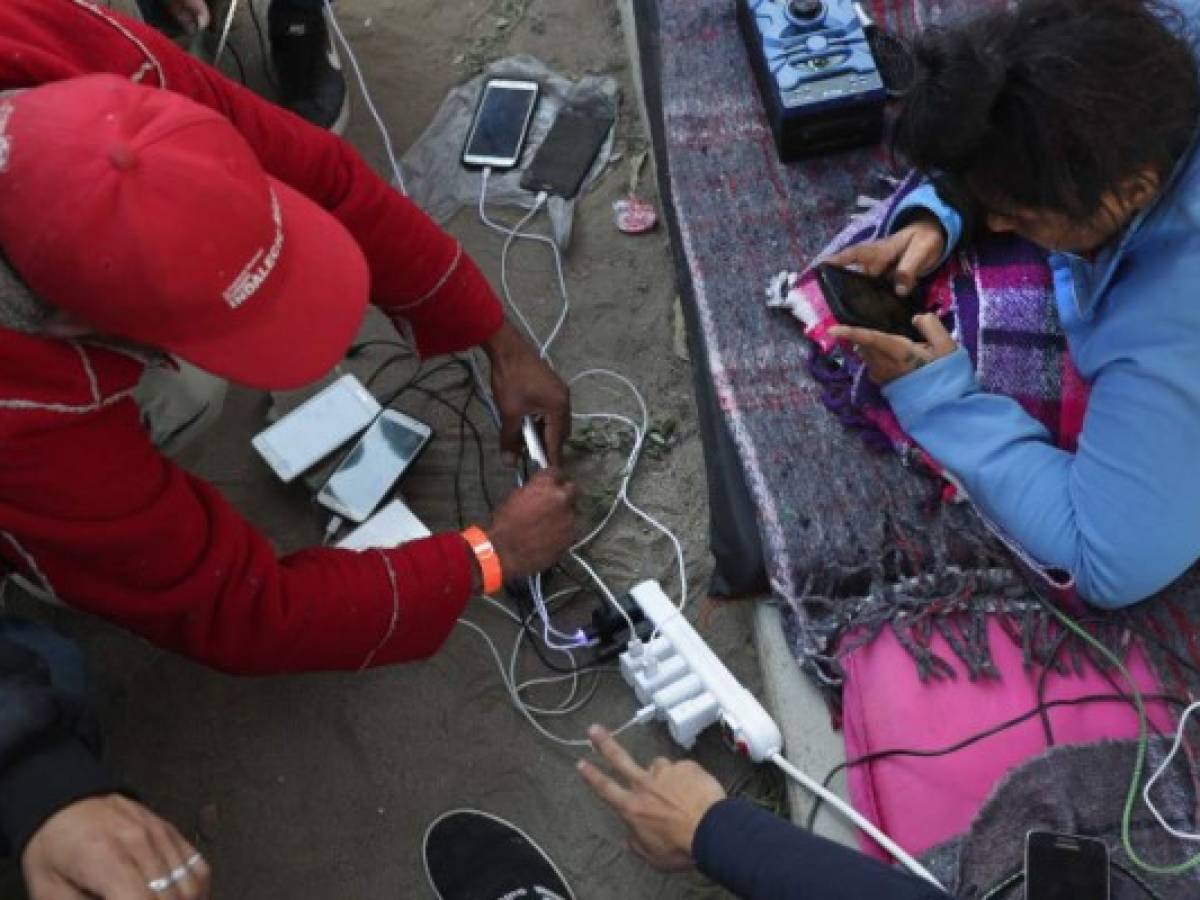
(1071,123)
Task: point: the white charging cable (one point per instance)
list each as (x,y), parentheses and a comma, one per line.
(366,95)
(1161,770)
(857,818)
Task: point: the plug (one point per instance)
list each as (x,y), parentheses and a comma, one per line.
(608,625)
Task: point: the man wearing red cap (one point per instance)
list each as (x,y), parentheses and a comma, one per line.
(163,212)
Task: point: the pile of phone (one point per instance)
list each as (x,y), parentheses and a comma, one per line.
(389,442)
(500,128)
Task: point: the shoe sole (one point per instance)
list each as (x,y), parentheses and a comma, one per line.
(494,818)
(343,117)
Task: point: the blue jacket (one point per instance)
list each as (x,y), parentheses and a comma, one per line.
(1122,514)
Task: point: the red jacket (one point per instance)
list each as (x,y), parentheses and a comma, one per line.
(93,512)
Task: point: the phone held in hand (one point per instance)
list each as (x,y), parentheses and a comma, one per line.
(865,302)
(1065,867)
(501,124)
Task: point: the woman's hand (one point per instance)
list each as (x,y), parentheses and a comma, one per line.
(663,805)
(112,847)
(908,255)
(524,385)
(890,356)
(192,15)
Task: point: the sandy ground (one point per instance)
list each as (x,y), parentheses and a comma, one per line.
(320,787)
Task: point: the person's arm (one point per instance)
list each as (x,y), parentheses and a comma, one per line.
(678,815)
(1119,513)
(94,515)
(44,764)
(759,856)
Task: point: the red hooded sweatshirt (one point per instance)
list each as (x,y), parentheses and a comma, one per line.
(94,514)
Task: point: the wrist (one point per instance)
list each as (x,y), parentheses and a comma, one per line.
(503,342)
(487,572)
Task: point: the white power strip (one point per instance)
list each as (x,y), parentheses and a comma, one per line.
(689,687)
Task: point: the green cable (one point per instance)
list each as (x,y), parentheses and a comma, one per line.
(1142,746)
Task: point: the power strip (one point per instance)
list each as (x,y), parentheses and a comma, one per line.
(689,687)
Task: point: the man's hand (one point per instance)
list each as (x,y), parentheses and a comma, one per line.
(890,356)
(662,806)
(535,525)
(909,254)
(192,15)
(112,848)
(524,385)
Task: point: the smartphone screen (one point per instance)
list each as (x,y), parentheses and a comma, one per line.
(377,461)
(1065,867)
(567,154)
(865,302)
(501,121)
(317,427)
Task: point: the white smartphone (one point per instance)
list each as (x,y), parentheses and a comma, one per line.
(501,123)
(317,427)
(392,526)
(369,471)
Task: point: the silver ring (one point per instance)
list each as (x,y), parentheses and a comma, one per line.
(195,858)
(158,885)
(179,874)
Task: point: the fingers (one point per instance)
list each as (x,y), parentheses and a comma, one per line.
(935,334)
(557,429)
(911,266)
(865,338)
(616,755)
(875,258)
(51,887)
(510,431)
(604,787)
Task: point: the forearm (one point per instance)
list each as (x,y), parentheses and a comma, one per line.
(759,856)
(44,767)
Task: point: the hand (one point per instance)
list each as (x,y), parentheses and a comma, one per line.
(524,385)
(662,806)
(890,356)
(113,848)
(909,254)
(535,525)
(192,15)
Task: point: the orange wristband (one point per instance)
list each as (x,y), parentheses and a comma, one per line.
(489,562)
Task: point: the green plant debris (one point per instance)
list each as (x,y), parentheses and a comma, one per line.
(600,438)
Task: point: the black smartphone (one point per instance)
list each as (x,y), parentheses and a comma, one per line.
(866,302)
(568,153)
(501,123)
(1065,867)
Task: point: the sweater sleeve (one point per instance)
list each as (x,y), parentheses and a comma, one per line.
(44,765)
(759,856)
(96,517)
(419,274)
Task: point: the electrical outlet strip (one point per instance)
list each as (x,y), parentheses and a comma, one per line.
(392,526)
(689,687)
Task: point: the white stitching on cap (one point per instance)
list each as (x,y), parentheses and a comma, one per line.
(261,265)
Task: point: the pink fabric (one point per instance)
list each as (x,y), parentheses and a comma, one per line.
(922,802)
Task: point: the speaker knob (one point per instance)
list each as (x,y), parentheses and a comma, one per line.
(806,10)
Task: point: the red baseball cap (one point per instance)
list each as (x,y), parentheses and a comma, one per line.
(149,218)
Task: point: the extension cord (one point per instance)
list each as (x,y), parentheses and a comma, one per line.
(689,687)
(678,676)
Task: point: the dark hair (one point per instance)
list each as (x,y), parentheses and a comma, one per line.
(1053,104)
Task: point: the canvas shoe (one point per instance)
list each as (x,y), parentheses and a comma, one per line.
(309,70)
(473,855)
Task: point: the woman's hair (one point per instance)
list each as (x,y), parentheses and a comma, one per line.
(1053,104)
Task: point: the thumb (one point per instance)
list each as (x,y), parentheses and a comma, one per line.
(935,334)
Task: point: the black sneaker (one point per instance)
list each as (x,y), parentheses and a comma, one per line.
(307,64)
(473,855)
